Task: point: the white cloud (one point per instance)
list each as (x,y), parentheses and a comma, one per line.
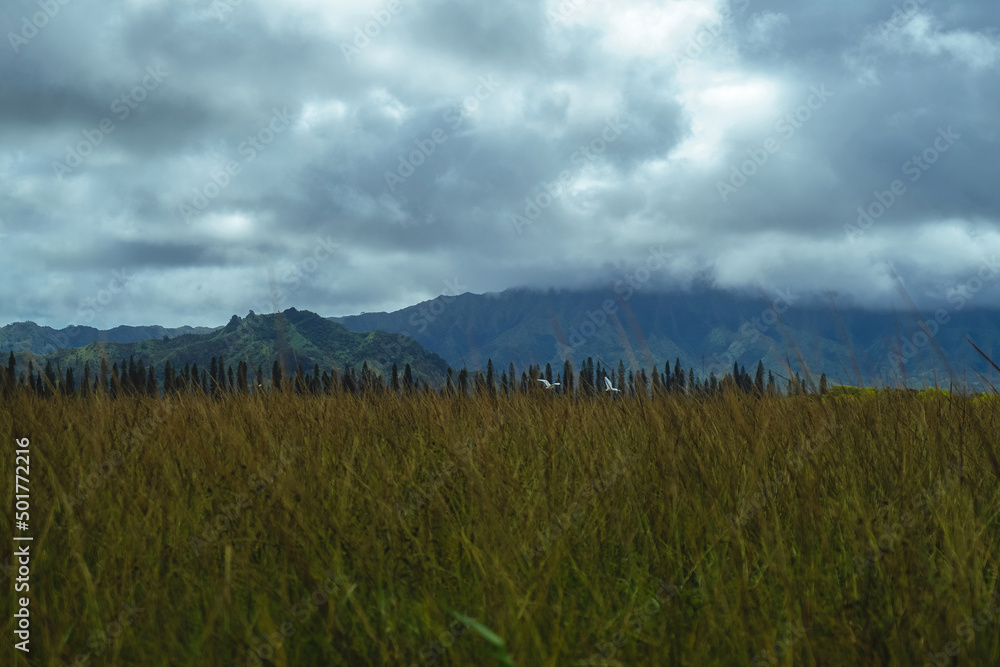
(922,34)
(702,81)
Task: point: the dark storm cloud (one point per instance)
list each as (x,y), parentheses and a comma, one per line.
(356,156)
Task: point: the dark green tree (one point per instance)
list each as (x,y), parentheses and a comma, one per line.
(222,376)
(213,375)
(567,381)
(11,371)
(300,380)
(102,379)
(408,384)
(50,378)
(349,382)
(115,384)
(133,376)
(276,376)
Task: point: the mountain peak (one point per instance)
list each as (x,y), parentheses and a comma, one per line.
(234,324)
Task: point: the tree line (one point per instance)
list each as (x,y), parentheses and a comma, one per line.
(132,378)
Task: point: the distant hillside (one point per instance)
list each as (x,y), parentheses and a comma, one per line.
(294,337)
(707,329)
(30,337)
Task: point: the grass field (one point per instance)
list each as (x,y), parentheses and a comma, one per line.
(342,530)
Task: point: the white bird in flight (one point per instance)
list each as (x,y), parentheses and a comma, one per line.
(607,384)
(547,384)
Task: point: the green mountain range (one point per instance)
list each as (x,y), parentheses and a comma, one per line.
(28,336)
(707,329)
(293,338)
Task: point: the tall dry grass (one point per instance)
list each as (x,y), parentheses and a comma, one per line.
(718,530)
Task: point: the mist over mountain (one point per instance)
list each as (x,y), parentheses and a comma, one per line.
(707,329)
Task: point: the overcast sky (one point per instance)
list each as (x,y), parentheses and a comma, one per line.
(169,161)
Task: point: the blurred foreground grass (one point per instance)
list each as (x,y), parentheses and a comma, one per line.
(292,530)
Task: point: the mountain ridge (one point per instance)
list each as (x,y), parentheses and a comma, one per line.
(706,328)
(293,338)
